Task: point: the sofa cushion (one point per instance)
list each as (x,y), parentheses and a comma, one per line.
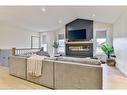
(80,60)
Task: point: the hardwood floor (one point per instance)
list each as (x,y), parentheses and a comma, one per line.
(10,82)
(112,79)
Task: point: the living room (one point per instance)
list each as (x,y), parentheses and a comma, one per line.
(25,31)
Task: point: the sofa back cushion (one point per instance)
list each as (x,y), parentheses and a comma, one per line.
(43,53)
(80,60)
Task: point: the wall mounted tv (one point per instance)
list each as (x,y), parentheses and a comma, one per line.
(77,35)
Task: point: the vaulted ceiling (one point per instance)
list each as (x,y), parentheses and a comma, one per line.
(49,18)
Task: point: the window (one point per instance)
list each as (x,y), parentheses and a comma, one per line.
(61,48)
(35,42)
(44,42)
(101,38)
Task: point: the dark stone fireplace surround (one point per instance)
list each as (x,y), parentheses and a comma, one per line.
(77,25)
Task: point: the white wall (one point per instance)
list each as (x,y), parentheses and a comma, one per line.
(50,37)
(120,46)
(60,31)
(50,40)
(120,42)
(12,36)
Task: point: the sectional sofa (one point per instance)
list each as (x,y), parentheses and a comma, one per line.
(61,72)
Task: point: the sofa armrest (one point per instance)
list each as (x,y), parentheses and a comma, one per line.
(17,66)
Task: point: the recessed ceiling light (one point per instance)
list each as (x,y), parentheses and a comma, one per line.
(43,10)
(60,21)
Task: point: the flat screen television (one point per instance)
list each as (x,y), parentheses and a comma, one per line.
(77,35)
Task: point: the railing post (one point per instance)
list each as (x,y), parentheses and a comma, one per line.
(13,51)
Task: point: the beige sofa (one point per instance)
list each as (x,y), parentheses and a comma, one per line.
(61,74)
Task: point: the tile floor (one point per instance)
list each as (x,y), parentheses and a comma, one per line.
(112,79)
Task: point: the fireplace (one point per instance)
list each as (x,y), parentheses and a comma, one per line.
(79,49)
(78,38)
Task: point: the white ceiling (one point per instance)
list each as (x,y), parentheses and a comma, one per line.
(32,17)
